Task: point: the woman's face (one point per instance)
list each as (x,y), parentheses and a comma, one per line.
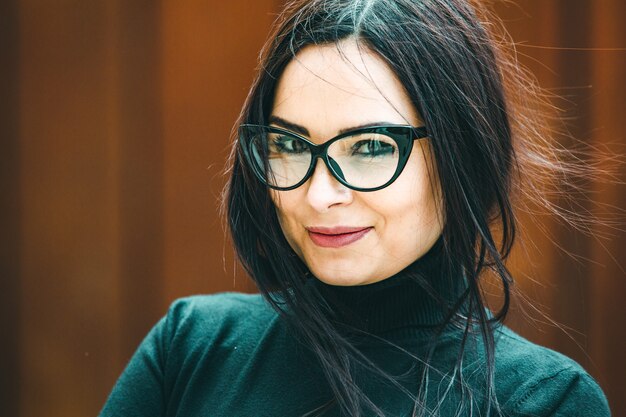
(323,93)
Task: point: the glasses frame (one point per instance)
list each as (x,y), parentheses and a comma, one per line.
(403,135)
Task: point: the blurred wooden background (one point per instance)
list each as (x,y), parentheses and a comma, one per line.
(114,126)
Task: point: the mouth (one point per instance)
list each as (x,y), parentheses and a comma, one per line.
(336,237)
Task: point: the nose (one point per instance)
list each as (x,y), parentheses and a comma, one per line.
(324,191)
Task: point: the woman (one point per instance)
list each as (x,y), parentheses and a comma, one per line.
(375,152)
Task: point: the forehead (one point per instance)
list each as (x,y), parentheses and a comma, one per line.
(330,88)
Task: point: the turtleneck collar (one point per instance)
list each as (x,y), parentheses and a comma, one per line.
(416,299)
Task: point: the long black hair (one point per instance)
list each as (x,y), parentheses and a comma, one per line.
(448,61)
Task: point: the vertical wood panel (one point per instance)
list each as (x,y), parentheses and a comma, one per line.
(69,244)
(554,35)
(210,51)
(9,209)
(572,277)
(608,288)
(531,25)
(141,169)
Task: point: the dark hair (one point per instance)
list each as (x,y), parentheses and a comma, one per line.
(452,69)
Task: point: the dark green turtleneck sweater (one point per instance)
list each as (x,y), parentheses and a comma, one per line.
(230,354)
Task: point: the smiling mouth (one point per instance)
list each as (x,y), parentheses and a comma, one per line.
(336,237)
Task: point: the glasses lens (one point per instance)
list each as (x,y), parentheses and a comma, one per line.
(365,160)
(282,160)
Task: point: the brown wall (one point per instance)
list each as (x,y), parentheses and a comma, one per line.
(577,50)
(10,217)
(114,122)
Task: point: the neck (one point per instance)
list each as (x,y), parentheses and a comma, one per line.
(416,299)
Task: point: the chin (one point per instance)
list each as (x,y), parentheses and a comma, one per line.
(348,282)
(343,277)
(337,277)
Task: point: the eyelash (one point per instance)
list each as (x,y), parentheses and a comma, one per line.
(383,149)
(280,141)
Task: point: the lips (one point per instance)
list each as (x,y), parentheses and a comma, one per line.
(336,237)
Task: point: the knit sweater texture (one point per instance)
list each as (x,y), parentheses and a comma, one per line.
(231,354)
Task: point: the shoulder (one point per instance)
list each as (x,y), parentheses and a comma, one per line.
(213,321)
(533,380)
(197,349)
(223,304)
(225,310)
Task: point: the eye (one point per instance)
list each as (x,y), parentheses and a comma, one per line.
(287,145)
(373,148)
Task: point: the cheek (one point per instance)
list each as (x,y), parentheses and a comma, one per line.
(285,212)
(414,218)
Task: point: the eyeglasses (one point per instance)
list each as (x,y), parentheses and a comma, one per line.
(365,159)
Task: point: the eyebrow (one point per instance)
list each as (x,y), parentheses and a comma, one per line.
(288,125)
(304,131)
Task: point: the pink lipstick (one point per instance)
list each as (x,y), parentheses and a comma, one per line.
(336,237)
